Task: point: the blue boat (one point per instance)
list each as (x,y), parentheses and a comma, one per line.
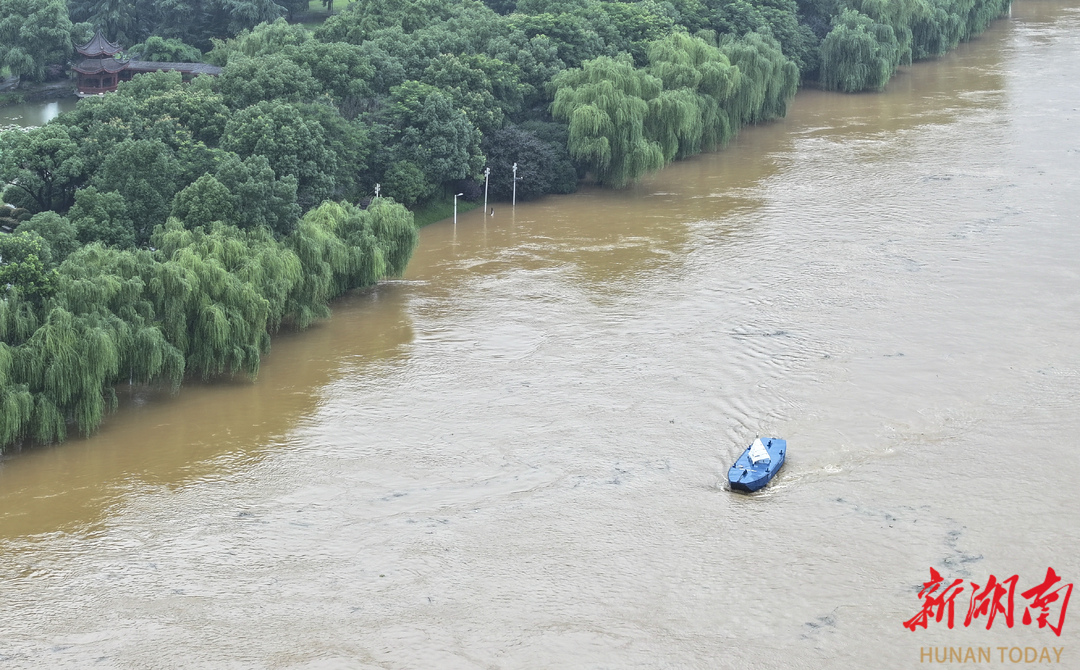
(758,464)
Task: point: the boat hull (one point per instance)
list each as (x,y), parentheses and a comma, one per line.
(747,476)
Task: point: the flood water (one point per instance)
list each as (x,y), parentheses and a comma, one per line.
(514,456)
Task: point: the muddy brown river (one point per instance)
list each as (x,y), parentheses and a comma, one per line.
(514,456)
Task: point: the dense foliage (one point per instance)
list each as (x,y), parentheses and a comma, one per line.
(869,39)
(167,229)
(199,301)
(844,44)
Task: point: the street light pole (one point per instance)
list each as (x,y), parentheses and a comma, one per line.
(376,190)
(514,204)
(487,174)
(455,206)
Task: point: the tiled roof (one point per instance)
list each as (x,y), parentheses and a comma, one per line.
(98,46)
(96,65)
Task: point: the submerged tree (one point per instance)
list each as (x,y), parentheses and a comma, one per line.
(859,54)
(605,103)
(768,79)
(625,121)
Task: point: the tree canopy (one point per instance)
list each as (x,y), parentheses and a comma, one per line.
(167,229)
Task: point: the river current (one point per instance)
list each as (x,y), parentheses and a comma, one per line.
(514,456)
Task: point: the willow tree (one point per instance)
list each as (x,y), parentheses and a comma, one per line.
(211,311)
(112,288)
(935,31)
(697,79)
(606,104)
(66,365)
(342,247)
(899,15)
(945,23)
(858,54)
(16,402)
(767,81)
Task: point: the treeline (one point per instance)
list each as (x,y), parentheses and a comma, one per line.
(35,34)
(167,229)
(198,301)
(869,39)
(849,45)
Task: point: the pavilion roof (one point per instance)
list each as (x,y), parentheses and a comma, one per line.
(96,65)
(98,46)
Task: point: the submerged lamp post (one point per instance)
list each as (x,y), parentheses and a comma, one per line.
(487,174)
(455,206)
(514,204)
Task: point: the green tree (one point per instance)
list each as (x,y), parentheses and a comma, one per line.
(348,142)
(147,174)
(859,54)
(16,401)
(44,164)
(573,36)
(605,103)
(543,167)
(57,231)
(259,197)
(23,266)
(262,40)
(342,247)
(406,182)
(420,126)
(102,217)
(485,88)
(246,81)
(779,18)
(201,112)
(290,142)
(34,34)
(699,80)
(362,18)
(204,201)
(159,49)
(118,19)
(768,78)
(630,26)
(343,70)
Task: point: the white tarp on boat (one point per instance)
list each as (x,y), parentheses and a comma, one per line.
(758,453)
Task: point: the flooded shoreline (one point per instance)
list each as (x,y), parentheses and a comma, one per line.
(513,457)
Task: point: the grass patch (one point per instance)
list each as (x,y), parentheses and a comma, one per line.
(437,210)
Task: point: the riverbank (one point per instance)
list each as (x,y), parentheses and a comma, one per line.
(509,459)
(24,93)
(781,84)
(439,210)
